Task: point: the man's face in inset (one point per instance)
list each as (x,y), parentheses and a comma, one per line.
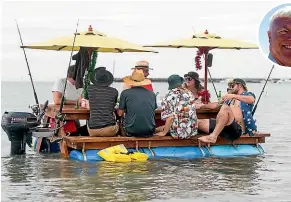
(280,40)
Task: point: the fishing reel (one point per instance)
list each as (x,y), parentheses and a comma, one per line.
(35,109)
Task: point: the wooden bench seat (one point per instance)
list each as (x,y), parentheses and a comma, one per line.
(80,142)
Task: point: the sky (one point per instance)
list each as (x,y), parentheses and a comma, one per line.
(140,23)
(264,27)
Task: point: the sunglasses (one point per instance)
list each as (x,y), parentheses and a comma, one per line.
(233,85)
(143,69)
(188,79)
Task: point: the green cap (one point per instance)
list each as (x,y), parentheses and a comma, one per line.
(174,81)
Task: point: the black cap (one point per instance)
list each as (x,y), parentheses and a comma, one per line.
(240,81)
(193,75)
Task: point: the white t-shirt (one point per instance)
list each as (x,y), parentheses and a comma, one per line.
(71,92)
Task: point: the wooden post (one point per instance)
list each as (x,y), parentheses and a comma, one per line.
(63,143)
(206,68)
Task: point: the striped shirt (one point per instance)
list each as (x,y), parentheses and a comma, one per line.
(102,101)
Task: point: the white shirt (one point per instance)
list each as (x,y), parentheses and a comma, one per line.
(71,92)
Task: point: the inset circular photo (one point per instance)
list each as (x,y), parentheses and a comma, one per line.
(275,35)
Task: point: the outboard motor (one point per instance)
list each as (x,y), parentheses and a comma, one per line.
(19,126)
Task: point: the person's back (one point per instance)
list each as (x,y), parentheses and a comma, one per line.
(139,105)
(180,103)
(102,101)
(178,110)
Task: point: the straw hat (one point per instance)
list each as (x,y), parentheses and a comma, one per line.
(136,79)
(141,65)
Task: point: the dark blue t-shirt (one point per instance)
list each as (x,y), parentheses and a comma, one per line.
(139,105)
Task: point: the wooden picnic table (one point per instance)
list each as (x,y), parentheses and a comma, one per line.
(84,114)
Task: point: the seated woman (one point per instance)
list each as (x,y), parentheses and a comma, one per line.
(193,84)
(102,100)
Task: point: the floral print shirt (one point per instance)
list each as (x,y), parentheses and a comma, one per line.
(180,103)
(248,118)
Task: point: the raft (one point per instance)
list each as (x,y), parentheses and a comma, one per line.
(86,148)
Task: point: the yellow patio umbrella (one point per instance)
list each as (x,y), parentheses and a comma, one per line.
(205,42)
(94,40)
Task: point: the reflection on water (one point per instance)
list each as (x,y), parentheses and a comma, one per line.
(91,181)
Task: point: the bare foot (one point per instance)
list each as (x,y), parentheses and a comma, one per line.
(208,139)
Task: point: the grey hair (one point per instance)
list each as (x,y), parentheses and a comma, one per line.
(282,12)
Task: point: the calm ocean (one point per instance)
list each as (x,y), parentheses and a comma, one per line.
(47,177)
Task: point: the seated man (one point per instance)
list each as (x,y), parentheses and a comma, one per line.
(102,100)
(178,110)
(144,66)
(71,93)
(139,106)
(231,121)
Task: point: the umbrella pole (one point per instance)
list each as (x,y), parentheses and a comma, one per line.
(206,71)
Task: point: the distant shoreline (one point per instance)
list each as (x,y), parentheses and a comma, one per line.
(163,80)
(215,80)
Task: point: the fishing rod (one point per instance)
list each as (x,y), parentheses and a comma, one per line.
(59,116)
(212,82)
(29,73)
(63,96)
(255,108)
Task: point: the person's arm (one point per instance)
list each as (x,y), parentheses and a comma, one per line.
(57,98)
(248,99)
(125,86)
(122,104)
(212,105)
(156,105)
(167,126)
(167,115)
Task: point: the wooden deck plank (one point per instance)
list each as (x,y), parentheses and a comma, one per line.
(131,142)
(164,143)
(155,138)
